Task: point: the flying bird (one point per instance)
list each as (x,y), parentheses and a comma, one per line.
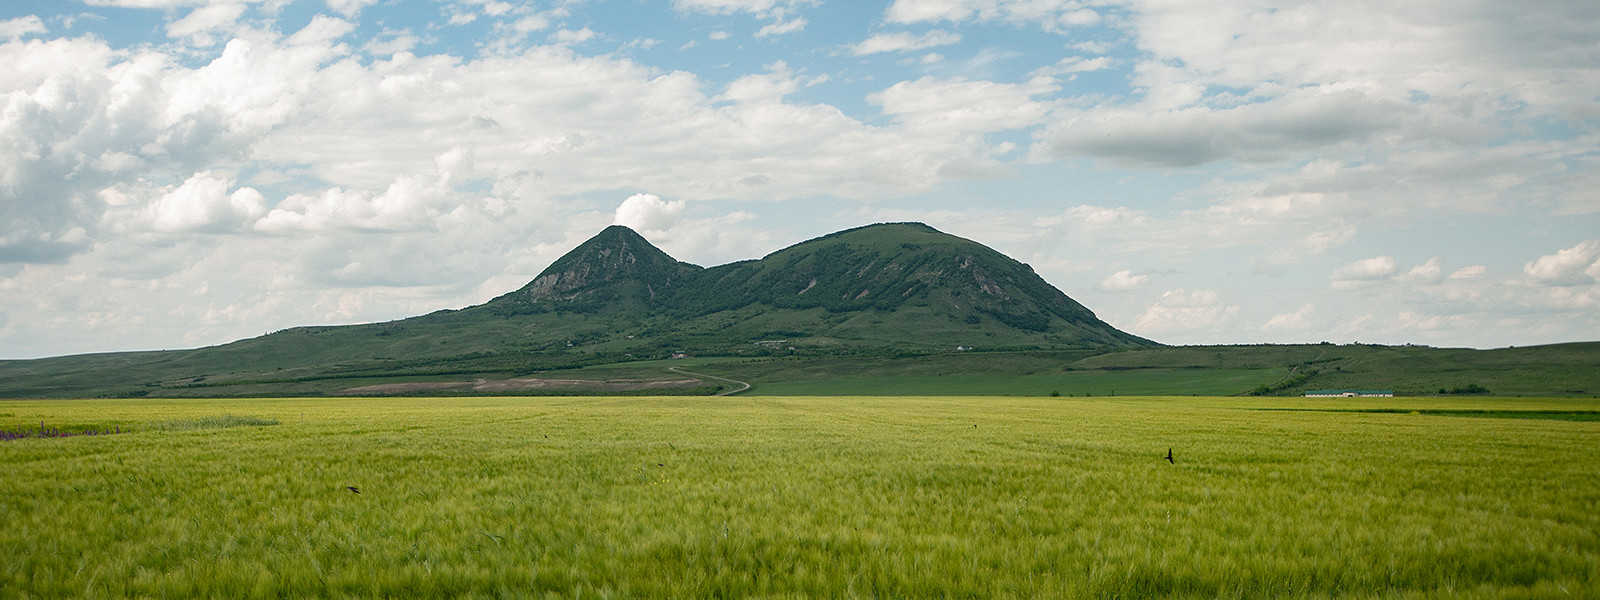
(352,489)
(1169,456)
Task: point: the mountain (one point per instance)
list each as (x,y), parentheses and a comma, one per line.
(895,284)
(882,289)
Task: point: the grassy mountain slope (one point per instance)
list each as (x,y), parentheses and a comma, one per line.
(909,283)
(1553,370)
(873,310)
(893,288)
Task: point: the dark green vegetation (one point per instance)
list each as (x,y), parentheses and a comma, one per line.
(803,497)
(1559,370)
(879,310)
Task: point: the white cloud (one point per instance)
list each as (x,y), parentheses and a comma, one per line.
(164,4)
(567,36)
(542,124)
(1076,64)
(411,202)
(205,19)
(1284,228)
(1297,321)
(349,8)
(463,12)
(1578,265)
(772,86)
(1274,85)
(782,27)
(761,8)
(959,106)
(1377,268)
(1121,281)
(21,26)
(1181,311)
(391,43)
(1428,272)
(780,12)
(904,42)
(1051,15)
(1468,49)
(204,204)
(1471,272)
(648,212)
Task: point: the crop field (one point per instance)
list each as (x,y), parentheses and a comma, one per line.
(801,497)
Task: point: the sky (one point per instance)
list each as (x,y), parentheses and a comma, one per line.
(184,173)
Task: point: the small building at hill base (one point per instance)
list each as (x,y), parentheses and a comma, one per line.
(1349,394)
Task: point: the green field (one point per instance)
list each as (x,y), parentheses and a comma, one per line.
(803,497)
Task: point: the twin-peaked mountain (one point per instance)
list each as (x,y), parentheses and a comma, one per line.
(882,289)
(899,284)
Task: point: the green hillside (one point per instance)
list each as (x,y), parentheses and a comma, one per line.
(881,290)
(1273,370)
(887,309)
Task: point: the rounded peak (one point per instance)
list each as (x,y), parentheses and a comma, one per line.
(885,236)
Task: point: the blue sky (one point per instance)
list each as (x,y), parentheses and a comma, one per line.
(180,173)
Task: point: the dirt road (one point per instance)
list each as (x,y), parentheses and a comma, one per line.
(727,393)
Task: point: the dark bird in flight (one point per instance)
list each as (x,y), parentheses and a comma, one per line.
(1169,456)
(352,489)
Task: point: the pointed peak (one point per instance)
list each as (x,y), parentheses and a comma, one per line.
(619,230)
(615,248)
(614,235)
(615,263)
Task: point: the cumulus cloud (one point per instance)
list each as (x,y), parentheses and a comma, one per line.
(959,106)
(349,8)
(782,27)
(1578,265)
(568,36)
(1264,84)
(1076,64)
(1052,15)
(1285,228)
(904,42)
(648,212)
(772,86)
(1182,311)
(758,7)
(12,29)
(200,22)
(542,123)
(411,202)
(204,204)
(1377,268)
(1121,281)
(1299,320)
(780,12)
(1428,272)
(1470,272)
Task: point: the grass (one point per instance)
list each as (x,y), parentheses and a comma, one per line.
(326,362)
(1073,383)
(212,422)
(803,497)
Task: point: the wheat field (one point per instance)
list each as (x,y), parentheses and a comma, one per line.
(799,497)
